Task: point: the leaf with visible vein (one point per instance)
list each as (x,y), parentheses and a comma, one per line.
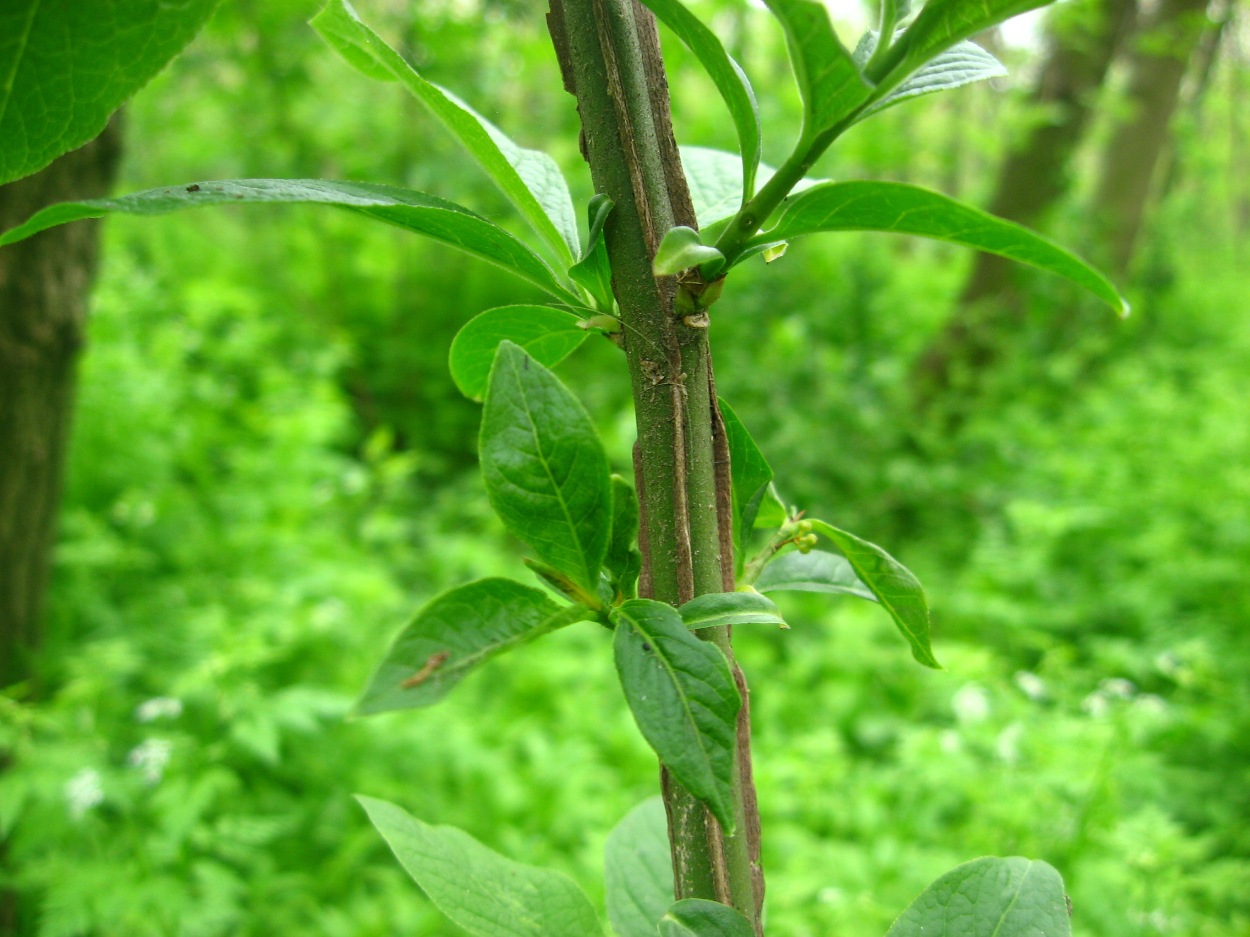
(815,571)
(548,336)
(717,609)
(481,891)
(66,65)
(990,897)
(729,78)
(829,81)
(683,698)
(894,585)
(456,632)
(750,476)
(405,208)
(899,208)
(530,179)
(545,470)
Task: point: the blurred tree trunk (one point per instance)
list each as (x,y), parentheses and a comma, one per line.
(1157,64)
(44,285)
(1082,42)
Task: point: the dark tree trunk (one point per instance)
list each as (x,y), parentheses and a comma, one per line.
(1157,65)
(1032,179)
(44,284)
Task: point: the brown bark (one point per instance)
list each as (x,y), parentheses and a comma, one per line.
(1032,179)
(44,285)
(1157,64)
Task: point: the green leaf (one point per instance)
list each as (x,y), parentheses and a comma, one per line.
(682,248)
(455,632)
(481,891)
(683,698)
(816,571)
(990,897)
(531,180)
(638,870)
(66,65)
(715,181)
(961,64)
(732,83)
(545,470)
(414,211)
(594,271)
(773,511)
(899,208)
(940,25)
(829,81)
(623,560)
(731,608)
(893,584)
(698,917)
(547,335)
(750,475)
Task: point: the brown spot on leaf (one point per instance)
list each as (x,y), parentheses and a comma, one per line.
(432,663)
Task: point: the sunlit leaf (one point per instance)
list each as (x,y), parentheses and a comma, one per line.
(547,335)
(730,80)
(961,64)
(481,891)
(66,65)
(893,584)
(415,211)
(990,897)
(530,179)
(899,208)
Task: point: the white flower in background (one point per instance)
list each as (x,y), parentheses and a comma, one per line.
(84,791)
(158,707)
(1008,743)
(1118,687)
(151,758)
(1096,704)
(1030,684)
(971,703)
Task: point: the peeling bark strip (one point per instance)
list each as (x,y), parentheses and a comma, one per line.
(610,59)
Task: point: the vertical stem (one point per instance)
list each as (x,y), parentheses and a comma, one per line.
(610,59)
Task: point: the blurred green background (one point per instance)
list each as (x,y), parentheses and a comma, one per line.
(271,469)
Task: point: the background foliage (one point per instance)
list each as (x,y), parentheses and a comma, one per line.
(272,468)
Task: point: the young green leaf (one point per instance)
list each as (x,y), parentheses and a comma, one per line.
(682,248)
(698,917)
(990,897)
(750,475)
(816,571)
(829,81)
(940,25)
(772,511)
(638,870)
(623,561)
(66,65)
(545,470)
(683,698)
(961,64)
(481,891)
(732,83)
(731,608)
(531,180)
(414,211)
(548,336)
(594,271)
(899,208)
(715,181)
(455,632)
(893,584)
